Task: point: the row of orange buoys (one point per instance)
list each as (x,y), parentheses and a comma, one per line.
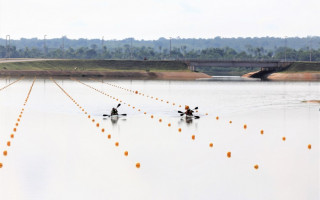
(117,99)
(5,152)
(11,83)
(90,118)
(141,94)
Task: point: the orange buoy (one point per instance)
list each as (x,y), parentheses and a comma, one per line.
(117,144)
(261,132)
(245,126)
(145,113)
(126,153)
(93,120)
(88,116)
(211,145)
(169,124)
(136,92)
(1,165)
(179,106)
(17,124)
(133,107)
(8,143)
(137,165)
(284,138)
(256,167)
(14,129)
(151,116)
(217,118)
(309,146)
(179,129)
(193,137)
(102,130)
(12,135)
(18,119)
(5,153)
(160,120)
(206,113)
(109,136)
(97,125)
(139,110)
(229,154)
(230,122)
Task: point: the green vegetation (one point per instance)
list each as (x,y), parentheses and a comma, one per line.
(268,48)
(96,65)
(303,67)
(239,44)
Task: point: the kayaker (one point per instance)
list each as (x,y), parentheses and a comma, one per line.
(188,111)
(114,111)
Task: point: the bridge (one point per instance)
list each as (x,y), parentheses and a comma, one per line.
(264,65)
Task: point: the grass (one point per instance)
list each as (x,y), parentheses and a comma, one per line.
(96,65)
(303,67)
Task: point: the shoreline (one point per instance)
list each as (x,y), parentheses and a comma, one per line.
(174,75)
(296,76)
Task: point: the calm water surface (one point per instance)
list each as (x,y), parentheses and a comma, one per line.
(59,153)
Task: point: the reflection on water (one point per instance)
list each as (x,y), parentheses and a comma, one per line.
(58,153)
(229,78)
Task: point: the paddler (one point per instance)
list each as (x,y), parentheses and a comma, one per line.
(188,111)
(114,111)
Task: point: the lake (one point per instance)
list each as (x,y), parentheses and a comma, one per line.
(58,152)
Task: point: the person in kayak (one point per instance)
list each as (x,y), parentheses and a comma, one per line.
(114,111)
(188,112)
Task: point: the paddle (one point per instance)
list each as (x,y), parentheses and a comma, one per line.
(105,115)
(196,117)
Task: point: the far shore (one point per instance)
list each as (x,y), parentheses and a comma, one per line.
(297,76)
(170,75)
(111,69)
(298,71)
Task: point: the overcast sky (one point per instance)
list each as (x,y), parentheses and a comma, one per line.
(151,19)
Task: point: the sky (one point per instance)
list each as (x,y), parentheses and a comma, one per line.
(152,19)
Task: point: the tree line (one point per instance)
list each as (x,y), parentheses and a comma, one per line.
(239,44)
(141,53)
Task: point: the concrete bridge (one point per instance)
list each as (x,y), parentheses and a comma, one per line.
(264,65)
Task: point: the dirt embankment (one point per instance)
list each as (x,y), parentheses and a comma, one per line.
(110,74)
(297,76)
(113,69)
(298,71)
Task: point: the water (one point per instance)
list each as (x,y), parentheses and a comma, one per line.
(59,153)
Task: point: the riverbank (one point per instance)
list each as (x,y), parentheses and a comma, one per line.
(113,69)
(298,71)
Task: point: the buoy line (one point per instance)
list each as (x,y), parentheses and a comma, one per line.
(15,129)
(12,83)
(88,116)
(129,105)
(141,94)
